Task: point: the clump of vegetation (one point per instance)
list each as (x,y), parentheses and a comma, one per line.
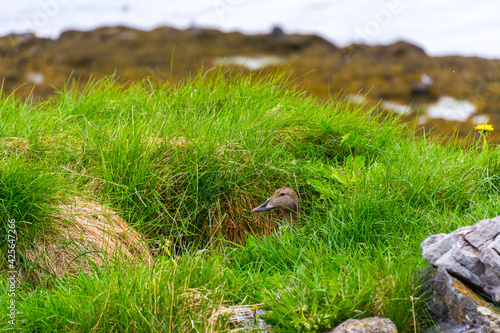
(27,196)
(184,165)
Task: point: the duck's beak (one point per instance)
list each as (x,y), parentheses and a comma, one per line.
(263,207)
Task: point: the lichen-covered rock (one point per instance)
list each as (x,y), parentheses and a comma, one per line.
(366,325)
(470,253)
(455,307)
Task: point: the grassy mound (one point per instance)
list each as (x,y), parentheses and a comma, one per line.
(184,165)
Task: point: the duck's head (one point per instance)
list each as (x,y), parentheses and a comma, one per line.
(284,199)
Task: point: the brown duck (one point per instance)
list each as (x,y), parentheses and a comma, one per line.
(284,199)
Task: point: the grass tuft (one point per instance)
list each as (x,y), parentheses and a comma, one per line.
(184,165)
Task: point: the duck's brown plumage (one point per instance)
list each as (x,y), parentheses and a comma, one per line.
(284,199)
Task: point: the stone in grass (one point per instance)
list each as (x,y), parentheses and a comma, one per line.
(470,253)
(248,320)
(455,307)
(366,325)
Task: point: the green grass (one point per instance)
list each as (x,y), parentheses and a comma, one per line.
(185,164)
(27,195)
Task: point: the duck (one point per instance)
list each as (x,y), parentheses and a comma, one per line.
(286,200)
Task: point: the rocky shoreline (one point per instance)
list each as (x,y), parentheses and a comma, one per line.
(400,73)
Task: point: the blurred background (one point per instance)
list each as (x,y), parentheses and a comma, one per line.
(435,61)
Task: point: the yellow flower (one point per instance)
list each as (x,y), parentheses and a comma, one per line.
(484,128)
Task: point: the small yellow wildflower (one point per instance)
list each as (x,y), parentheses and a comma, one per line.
(484,128)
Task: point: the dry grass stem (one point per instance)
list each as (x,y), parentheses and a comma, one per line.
(84,235)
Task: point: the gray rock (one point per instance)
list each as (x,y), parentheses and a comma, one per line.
(248,320)
(483,233)
(470,253)
(456,307)
(367,325)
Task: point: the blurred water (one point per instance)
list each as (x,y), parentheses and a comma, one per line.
(451,109)
(252,63)
(459,27)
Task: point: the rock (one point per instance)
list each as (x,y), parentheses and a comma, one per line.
(470,253)
(277,32)
(248,320)
(455,307)
(367,325)
(422,91)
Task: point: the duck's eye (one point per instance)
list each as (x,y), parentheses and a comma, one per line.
(282,194)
